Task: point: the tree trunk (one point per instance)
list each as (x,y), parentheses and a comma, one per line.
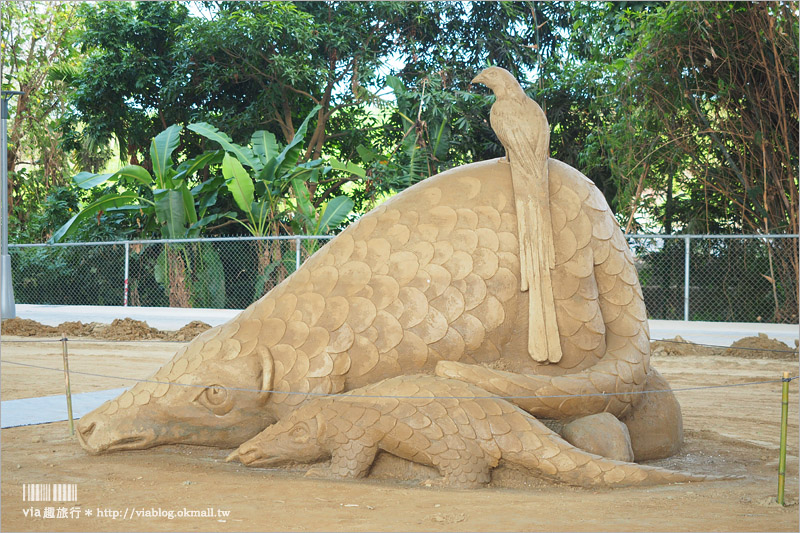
(268,253)
(179,292)
(668,208)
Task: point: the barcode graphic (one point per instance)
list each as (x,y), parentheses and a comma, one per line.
(45,492)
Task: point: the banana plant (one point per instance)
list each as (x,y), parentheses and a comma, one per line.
(163,197)
(270,186)
(169,206)
(427,133)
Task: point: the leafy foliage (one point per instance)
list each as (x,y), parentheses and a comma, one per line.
(163,199)
(275,194)
(701,108)
(248,66)
(683,114)
(117,88)
(34,35)
(699,123)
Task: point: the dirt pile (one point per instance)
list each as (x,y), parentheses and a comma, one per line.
(679,347)
(125,329)
(761,347)
(122,329)
(23,327)
(187,332)
(78,329)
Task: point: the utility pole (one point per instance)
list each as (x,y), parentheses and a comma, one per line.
(8,307)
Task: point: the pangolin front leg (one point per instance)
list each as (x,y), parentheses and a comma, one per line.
(354,458)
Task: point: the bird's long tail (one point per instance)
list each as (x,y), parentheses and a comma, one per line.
(537,254)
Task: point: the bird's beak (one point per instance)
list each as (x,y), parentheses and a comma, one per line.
(477,79)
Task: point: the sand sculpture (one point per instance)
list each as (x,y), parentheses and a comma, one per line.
(527,144)
(429,282)
(458,428)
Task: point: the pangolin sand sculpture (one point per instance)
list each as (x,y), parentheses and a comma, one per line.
(428,282)
(455,427)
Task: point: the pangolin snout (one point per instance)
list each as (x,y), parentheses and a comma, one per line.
(85,429)
(248,454)
(97,435)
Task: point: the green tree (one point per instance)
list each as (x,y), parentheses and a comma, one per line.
(167,202)
(34,35)
(247,66)
(117,86)
(700,101)
(699,122)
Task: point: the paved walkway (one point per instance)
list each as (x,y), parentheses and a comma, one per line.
(46,409)
(170,318)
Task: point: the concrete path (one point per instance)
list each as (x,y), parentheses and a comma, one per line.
(167,318)
(46,409)
(170,318)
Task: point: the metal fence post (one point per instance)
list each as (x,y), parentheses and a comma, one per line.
(7,303)
(125,286)
(686,278)
(297,255)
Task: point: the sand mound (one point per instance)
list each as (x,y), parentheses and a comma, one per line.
(23,327)
(78,329)
(126,329)
(761,347)
(678,346)
(187,332)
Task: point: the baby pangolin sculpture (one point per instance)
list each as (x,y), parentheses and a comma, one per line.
(427,282)
(459,429)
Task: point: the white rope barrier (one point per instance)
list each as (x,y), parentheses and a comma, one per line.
(603,394)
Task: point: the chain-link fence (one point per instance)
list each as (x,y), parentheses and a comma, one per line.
(745,278)
(220,273)
(723,278)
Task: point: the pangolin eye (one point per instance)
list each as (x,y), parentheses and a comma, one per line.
(215,395)
(216,399)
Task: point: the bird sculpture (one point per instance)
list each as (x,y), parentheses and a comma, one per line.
(522,128)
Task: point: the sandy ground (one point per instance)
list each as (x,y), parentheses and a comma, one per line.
(728,431)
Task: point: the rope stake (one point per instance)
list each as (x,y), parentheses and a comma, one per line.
(66,384)
(784,431)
